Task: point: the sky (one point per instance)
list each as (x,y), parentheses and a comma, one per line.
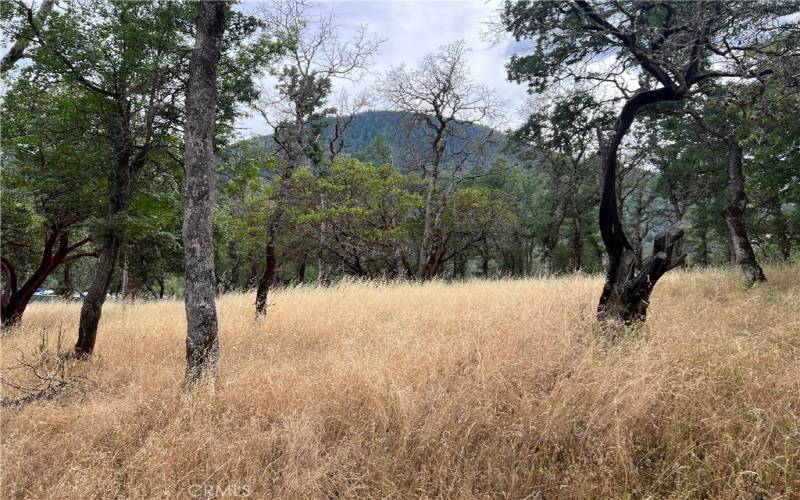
(412,29)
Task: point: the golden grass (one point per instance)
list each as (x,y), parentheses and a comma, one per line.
(477,389)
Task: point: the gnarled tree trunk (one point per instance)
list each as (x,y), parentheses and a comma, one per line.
(15,299)
(734,213)
(202,341)
(626,293)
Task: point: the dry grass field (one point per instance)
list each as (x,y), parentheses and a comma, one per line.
(476,389)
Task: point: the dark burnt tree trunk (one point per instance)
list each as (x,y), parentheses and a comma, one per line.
(92,307)
(57,251)
(626,293)
(734,213)
(202,341)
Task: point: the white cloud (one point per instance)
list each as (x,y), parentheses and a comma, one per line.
(412,29)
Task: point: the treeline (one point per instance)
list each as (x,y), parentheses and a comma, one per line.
(94,130)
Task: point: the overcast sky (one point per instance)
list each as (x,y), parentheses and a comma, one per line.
(412,29)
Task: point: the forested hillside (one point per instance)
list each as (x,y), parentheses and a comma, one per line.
(384,136)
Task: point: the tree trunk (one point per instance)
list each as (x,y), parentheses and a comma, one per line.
(322,271)
(92,307)
(202,341)
(267,278)
(626,293)
(124,290)
(423,254)
(67,288)
(734,214)
(15,299)
(402,267)
(577,243)
(270,271)
(485,258)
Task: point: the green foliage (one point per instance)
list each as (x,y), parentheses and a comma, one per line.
(52,167)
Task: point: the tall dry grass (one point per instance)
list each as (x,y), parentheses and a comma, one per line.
(478,389)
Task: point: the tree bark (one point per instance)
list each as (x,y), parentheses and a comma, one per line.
(202,341)
(734,214)
(627,289)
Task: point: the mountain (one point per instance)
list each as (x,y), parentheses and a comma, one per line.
(369,126)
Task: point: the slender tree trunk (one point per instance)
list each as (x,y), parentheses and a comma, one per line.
(67,288)
(400,262)
(267,278)
(124,290)
(485,258)
(202,341)
(96,297)
(423,254)
(322,268)
(92,307)
(734,214)
(577,243)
